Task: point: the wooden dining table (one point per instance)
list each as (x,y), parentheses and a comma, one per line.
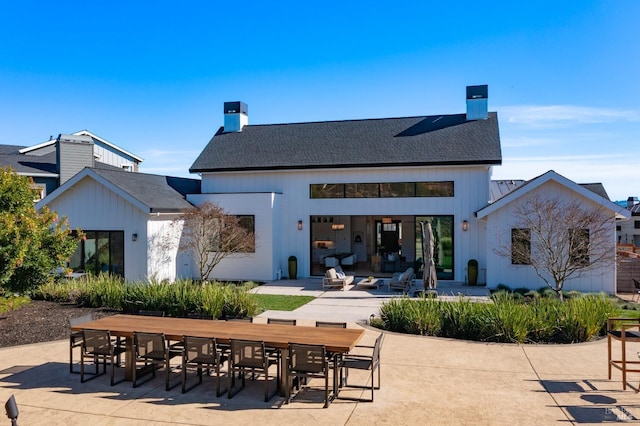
(335,340)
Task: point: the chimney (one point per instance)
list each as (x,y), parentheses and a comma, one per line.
(73,153)
(236,116)
(632,201)
(477,98)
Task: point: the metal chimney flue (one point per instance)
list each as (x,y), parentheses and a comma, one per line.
(477,102)
(236,116)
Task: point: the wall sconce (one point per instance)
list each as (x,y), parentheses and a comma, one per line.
(386,220)
(134,237)
(465,225)
(337,226)
(299,225)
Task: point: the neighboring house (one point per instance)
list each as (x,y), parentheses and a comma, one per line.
(628,231)
(326,189)
(53,162)
(127,220)
(499,220)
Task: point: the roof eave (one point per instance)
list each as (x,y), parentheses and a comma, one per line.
(347,165)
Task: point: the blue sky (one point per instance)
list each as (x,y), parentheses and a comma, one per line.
(152,76)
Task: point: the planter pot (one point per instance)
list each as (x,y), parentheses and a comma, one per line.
(293,268)
(472,272)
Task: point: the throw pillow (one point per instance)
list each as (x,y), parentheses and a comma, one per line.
(340,274)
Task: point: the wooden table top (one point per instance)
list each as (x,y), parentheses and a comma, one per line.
(274,335)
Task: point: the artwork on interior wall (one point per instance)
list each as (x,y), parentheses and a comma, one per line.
(357,236)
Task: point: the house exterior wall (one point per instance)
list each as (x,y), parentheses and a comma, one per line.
(264,263)
(108,155)
(163,238)
(239,193)
(499,267)
(91,206)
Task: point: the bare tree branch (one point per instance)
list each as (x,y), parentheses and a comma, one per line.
(210,235)
(566,239)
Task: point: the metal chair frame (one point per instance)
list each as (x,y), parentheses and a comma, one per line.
(153,350)
(250,354)
(200,352)
(97,345)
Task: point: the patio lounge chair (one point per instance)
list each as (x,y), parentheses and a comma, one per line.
(335,279)
(402,281)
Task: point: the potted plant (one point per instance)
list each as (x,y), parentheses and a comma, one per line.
(293,267)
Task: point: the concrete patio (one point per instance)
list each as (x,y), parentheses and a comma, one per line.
(425,380)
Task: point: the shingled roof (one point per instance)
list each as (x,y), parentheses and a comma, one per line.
(410,141)
(161,194)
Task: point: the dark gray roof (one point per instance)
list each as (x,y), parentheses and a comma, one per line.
(162,194)
(410,141)
(597,188)
(31,165)
(10,149)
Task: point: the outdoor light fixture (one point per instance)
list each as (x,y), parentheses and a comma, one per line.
(299,225)
(134,237)
(386,220)
(465,225)
(337,226)
(12,410)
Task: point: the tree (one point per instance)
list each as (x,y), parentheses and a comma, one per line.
(559,239)
(210,235)
(32,243)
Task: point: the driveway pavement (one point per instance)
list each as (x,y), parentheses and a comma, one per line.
(425,380)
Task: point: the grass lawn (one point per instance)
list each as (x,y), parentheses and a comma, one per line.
(279,302)
(12,302)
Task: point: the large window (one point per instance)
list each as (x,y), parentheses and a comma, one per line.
(381,190)
(443,253)
(100,251)
(579,246)
(248,222)
(520,246)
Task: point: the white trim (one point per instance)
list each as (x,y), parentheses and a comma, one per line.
(82,133)
(87,172)
(53,175)
(529,186)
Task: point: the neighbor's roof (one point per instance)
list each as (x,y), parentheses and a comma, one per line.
(31,165)
(500,188)
(410,141)
(96,139)
(151,193)
(586,190)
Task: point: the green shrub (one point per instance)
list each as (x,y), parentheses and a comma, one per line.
(510,318)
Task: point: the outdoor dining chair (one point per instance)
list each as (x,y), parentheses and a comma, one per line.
(250,354)
(307,362)
(75,338)
(152,350)
(97,345)
(201,352)
(364,362)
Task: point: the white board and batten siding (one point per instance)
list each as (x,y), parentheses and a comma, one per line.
(91,206)
(241,190)
(501,271)
(264,262)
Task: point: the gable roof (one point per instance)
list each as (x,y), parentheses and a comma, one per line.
(150,193)
(534,183)
(500,188)
(410,141)
(26,150)
(31,165)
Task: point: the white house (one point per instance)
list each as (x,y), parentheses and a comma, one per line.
(329,189)
(326,192)
(499,219)
(127,220)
